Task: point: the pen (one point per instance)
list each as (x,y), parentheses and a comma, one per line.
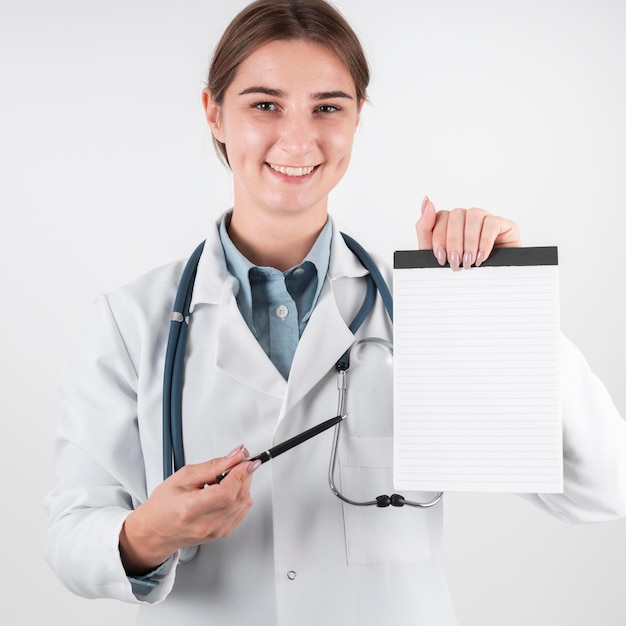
(289,443)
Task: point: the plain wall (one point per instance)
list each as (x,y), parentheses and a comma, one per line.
(107,170)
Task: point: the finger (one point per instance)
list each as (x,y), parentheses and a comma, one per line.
(214,512)
(236,484)
(238,478)
(474,219)
(235,457)
(496,232)
(425,224)
(222,523)
(196,476)
(455,238)
(440,235)
(224,505)
(249,466)
(228,523)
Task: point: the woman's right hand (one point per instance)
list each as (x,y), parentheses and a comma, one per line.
(187,509)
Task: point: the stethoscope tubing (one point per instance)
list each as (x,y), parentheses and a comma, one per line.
(173,449)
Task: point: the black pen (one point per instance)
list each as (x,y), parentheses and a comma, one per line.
(290,443)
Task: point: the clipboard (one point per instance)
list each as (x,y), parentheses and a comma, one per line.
(476,402)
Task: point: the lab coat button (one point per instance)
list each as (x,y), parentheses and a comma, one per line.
(282,311)
(291,575)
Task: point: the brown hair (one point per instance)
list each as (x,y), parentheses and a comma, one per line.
(264,21)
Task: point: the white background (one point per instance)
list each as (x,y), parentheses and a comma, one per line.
(107,170)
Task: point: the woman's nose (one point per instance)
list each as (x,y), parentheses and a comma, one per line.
(297,134)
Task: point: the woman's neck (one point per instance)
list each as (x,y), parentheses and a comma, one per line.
(279,241)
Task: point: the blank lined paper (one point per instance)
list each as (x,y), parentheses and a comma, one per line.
(476,405)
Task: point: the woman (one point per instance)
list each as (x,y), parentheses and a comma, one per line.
(275,292)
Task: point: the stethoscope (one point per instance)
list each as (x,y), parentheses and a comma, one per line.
(173,451)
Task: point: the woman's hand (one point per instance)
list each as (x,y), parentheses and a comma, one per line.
(187,509)
(463,237)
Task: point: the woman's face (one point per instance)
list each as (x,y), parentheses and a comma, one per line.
(288,121)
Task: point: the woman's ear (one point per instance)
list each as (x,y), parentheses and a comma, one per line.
(212,111)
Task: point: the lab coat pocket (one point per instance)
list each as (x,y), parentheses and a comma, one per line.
(379,535)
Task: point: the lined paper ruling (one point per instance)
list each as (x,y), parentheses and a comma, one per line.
(476,404)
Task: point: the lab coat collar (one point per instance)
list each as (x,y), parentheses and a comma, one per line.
(325,339)
(327,335)
(343,263)
(213,275)
(239,354)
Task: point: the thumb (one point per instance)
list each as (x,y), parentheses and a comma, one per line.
(425,225)
(194,476)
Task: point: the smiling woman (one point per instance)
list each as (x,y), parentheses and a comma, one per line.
(261,23)
(278,289)
(288,143)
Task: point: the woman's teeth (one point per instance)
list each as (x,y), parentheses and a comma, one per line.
(292,171)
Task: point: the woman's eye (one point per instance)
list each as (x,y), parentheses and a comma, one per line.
(328,108)
(264,106)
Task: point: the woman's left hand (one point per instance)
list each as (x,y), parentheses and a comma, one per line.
(463,237)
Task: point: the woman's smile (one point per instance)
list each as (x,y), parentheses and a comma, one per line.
(296,173)
(290,170)
(288,121)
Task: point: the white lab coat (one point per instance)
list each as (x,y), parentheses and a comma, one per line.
(300,556)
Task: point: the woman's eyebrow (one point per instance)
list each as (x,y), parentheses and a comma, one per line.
(329,95)
(279,93)
(268,91)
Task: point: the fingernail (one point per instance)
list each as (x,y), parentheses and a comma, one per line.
(234,451)
(467,260)
(480,257)
(254,466)
(441,255)
(455,261)
(424,201)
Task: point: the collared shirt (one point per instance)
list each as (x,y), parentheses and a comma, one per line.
(277,305)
